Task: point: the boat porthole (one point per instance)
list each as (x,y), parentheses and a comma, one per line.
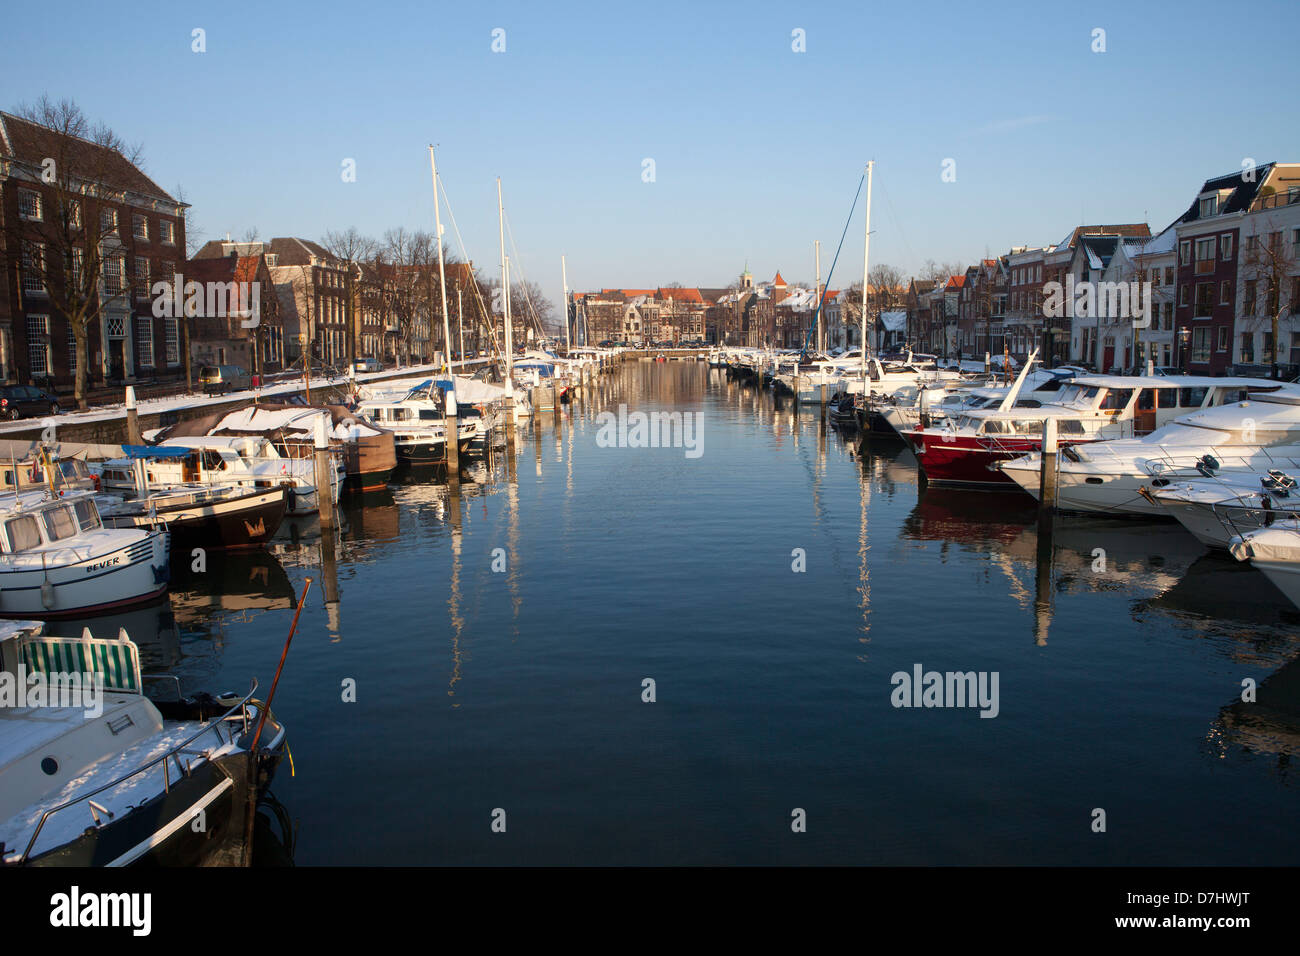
(50,766)
(1093,481)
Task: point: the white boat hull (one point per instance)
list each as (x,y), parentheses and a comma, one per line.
(83,580)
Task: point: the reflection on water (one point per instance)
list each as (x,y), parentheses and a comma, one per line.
(498,632)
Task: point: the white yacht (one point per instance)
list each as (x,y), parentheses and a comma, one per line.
(1274,550)
(244,462)
(58,559)
(418,422)
(94,773)
(1116,477)
(1224,504)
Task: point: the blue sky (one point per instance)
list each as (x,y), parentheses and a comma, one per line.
(757,149)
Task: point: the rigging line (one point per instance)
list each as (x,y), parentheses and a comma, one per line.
(478,293)
(822,300)
(523,280)
(897,224)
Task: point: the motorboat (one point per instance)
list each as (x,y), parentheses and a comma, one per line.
(59,559)
(211,517)
(1222,505)
(1110,477)
(95,773)
(418,422)
(1275,551)
(217,463)
(1090,409)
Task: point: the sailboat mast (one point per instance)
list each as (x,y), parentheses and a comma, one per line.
(817,255)
(505,289)
(564,284)
(866,259)
(442,275)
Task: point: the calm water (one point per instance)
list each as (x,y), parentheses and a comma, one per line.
(522,689)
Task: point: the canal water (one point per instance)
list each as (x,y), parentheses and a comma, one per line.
(771,581)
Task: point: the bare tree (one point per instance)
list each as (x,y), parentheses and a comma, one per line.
(78,261)
(1269,267)
(353,249)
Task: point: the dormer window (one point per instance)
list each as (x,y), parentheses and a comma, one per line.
(1209,206)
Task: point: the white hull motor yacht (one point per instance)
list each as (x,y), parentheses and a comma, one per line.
(1230,503)
(94,773)
(1275,551)
(1114,477)
(217,462)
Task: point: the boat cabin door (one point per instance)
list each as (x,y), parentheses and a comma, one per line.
(1144,413)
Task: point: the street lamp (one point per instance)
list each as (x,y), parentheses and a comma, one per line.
(1185,336)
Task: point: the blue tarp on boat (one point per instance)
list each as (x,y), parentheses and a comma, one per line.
(156,451)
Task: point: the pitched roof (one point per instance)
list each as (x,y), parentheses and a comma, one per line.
(1239,200)
(778,280)
(1120,229)
(31,143)
(229,269)
(956,282)
(681,295)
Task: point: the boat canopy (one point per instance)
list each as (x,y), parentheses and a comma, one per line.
(472,391)
(156,451)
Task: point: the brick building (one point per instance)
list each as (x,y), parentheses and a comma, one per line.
(84,233)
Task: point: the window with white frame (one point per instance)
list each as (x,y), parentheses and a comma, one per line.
(113,268)
(72,349)
(1185,252)
(167,231)
(1225,246)
(78,268)
(1208,206)
(30,206)
(140,228)
(1204,249)
(38,344)
(144,342)
(171,342)
(33,267)
(108,221)
(74,213)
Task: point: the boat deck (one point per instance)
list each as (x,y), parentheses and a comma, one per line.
(69,823)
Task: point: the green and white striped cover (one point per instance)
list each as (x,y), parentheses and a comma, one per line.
(118,662)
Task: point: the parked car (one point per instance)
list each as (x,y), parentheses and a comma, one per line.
(218,379)
(367,365)
(17,401)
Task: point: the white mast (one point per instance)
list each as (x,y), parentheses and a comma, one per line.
(442,276)
(866,249)
(817,300)
(505,288)
(564,283)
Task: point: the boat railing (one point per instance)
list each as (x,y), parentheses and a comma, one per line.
(238,713)
(1238,516)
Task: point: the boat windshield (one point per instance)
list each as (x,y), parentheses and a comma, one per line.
(22,533)
(1077,394)
(60,523)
